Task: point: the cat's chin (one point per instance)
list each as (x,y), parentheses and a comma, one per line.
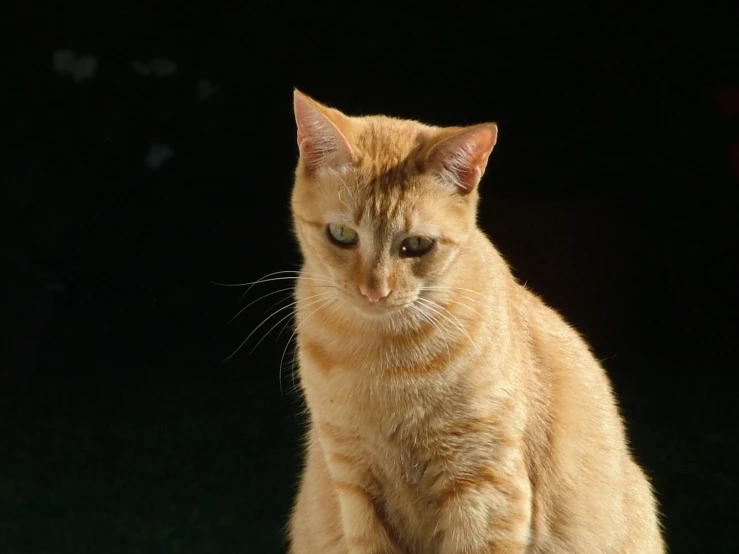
(379,309)
(374,310)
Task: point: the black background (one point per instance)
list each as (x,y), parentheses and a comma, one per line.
(612,192)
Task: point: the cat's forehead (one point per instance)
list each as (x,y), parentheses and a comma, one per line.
(392,211)
(356,201)
(390,150)
(390,207)
(390,196)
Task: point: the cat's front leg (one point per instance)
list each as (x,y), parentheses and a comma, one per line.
(360,509)
(364,532)
(488,513)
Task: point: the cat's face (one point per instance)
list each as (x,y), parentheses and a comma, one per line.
(382,250)
(382,207)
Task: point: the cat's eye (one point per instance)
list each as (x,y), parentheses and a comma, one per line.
(415,246)
(342,236)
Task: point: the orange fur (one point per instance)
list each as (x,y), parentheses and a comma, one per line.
(457,413)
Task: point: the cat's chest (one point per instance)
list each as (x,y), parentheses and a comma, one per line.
(385,410)
(400,435)
(392,430)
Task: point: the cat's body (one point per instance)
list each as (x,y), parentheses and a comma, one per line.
(450,410)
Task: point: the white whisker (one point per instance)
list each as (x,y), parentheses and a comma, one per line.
(436,325)
(470,308)
(258,280)
(285,278)
(265,320)
(315,299)
(289,340)
(453,289)
(442,311)
(260,298)
(285,275)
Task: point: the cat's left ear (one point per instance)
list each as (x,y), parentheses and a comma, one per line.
(462,157)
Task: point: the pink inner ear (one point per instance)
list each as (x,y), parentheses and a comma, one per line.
(311,156)
(320,142)
(462,158)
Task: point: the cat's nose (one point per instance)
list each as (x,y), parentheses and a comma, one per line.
(372,294)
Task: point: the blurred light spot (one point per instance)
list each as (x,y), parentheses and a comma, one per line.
(158,155)
(66,62)
(206,89)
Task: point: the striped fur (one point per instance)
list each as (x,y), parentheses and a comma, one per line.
(460,414)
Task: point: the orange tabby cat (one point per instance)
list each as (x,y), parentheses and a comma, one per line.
(451,411)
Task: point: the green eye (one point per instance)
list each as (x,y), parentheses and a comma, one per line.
(415,246)
(342,236)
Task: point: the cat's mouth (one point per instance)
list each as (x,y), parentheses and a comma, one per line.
(377,309)
(380,308)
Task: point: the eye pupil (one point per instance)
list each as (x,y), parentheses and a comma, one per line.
(342,236)
(415,246)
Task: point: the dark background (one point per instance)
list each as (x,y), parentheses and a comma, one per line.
(613,192)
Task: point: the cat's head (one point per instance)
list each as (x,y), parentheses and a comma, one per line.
(384,207)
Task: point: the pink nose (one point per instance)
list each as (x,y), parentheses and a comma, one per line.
(372,294)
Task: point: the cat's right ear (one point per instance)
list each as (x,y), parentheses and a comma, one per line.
(322,145)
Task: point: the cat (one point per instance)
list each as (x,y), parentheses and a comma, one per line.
(450,410)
